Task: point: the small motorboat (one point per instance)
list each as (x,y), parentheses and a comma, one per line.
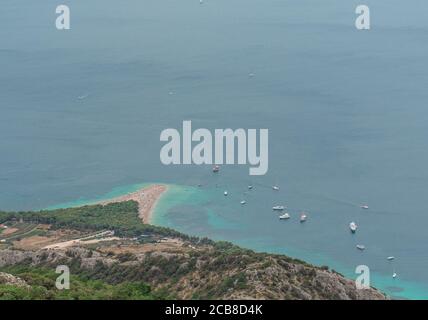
(225,193)
(278,208)
(390,258)
(394,275)
(83,97)
(250,187)
(216,168)
(284,216)
(364,206)
(243,202)
(361,247)
(353,226)
(276,188)
(303,217)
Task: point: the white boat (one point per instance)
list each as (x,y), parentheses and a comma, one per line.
(353,226)
(276,188)
(284,216)
(225,193)
(361,247)
(364,206)
(303,217)
(394,275)
(83,97)
(243,202)
(250,187)
(390,258)
(216,168)
(278,208)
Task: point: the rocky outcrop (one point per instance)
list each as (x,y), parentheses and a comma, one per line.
(8,279)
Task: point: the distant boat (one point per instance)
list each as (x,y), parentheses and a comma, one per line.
(364,206)
(243,202)
(303,217)
(216,168)
(82,97)
(225,193)
(250,187)
(276,188)
(394,275)
(353,226)
(284,216)
(278,208)
(390,258)
(361,247)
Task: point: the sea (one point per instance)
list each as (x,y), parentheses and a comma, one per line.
(81,112)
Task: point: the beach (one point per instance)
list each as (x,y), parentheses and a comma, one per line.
(146,197)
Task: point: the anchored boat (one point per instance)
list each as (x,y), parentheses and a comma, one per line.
(284,216)
(353,226)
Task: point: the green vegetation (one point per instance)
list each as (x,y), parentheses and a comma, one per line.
(41,283)
(121,217)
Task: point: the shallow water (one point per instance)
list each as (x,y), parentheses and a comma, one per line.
(346,112)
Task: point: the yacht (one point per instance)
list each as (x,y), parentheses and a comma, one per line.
(225,193)
(394,275)
(303,217)
(390,258)
(353,226)
(250,187)
(364,206)
(278,208)
(276,188)
(284,216)
(243,202)
(361,247)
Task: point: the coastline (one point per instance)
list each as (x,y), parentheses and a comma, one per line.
(146,197)
(177,195)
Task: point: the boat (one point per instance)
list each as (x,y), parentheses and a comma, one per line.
(284,216)
(353,226)
(303,217)
(216,168)
(243,202)
(83,97)
(390,258)
(394,275)
(364,206)
(278,208)
(276,188)
(250,187)
(225,193)
(361,247)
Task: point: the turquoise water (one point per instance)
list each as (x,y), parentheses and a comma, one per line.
(346,112)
